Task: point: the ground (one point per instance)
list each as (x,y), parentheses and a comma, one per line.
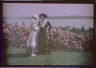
(17,56)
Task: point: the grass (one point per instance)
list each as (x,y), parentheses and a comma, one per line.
(16,56)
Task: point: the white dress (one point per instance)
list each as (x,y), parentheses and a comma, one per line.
(33,34)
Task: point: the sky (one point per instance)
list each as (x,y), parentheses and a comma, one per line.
(28,9)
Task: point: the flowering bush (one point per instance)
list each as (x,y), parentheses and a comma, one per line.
(61,39)
(64,39)
(16,36)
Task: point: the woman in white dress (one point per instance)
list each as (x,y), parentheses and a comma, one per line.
(31,43)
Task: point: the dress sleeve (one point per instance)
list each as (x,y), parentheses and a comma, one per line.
(36,28)
(33,26)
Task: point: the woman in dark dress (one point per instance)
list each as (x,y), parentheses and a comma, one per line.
(43,42)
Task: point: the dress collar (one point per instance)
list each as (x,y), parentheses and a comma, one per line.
(43,24)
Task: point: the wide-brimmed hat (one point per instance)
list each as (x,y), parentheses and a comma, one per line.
(35,15)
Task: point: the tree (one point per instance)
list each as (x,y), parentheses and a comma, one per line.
(73,29)
(90,29)
(82,29)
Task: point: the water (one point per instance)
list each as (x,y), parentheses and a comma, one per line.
(78,23)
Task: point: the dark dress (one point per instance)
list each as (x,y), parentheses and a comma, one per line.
(43,46)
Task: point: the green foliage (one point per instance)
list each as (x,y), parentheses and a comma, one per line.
(82,29)
(90,30)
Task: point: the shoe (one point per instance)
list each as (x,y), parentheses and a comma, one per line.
(33,54)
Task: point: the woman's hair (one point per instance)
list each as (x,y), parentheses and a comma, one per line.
(43,14)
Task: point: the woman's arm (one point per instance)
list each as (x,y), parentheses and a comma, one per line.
(36,28)
(33,26)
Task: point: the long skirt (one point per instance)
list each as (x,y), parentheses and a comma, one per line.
(42,41)
(31,43)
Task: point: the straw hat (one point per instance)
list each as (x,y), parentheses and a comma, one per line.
(35,15)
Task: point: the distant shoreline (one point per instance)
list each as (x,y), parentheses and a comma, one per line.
(55,17)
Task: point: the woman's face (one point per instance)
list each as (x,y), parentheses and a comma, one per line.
(42,18)
(35,18)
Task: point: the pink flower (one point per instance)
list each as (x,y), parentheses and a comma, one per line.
(54,29)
